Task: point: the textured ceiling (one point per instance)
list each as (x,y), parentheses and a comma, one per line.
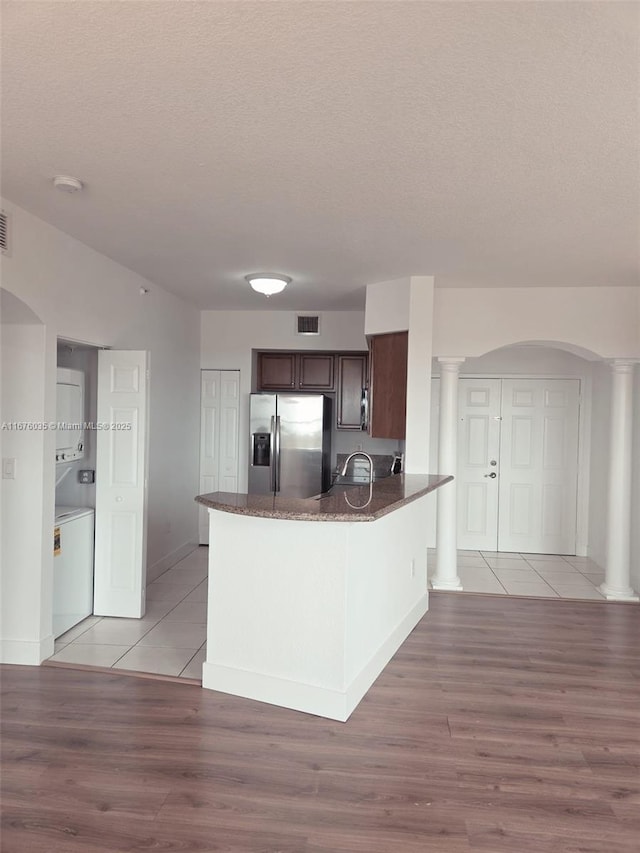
(340,143)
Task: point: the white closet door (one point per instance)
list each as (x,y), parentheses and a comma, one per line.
(539,466)
(219,410)
(121,485)
(229,411)
(478,463)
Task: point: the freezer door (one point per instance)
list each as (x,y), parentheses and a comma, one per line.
(262,422)
(300,439)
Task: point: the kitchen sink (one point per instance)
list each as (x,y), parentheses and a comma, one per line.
(338,488)
(344,484)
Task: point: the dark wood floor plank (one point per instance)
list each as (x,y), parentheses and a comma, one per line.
(501,726)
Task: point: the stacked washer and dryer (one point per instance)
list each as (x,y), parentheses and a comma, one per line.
(74,526)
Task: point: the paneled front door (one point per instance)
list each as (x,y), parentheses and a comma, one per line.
(517,464)
(538,466)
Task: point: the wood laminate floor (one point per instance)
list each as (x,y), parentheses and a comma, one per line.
(502,725)
(170,638)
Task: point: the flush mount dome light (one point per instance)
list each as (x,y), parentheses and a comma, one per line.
(267,283)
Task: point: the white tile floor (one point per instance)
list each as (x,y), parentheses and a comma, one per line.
(539,575)
(171,638)
(168,640)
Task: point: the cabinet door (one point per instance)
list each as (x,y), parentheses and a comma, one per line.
(388,390)
(352,375)
(316,372)
(276,371)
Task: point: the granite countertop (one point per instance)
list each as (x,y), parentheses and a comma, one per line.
(354,503)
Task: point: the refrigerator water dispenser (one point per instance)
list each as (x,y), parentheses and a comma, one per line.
(261,449)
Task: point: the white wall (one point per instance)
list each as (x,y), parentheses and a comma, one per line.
(602,320)
(421,290)
(399,305)
(81,295)
(24,590)
(524,360)
(229,337)
(388,306)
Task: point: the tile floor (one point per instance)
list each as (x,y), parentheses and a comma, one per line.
(171,638)
(539,575)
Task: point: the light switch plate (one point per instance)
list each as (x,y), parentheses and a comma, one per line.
(8,468)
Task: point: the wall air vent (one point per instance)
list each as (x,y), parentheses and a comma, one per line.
(307,324)
(4,232)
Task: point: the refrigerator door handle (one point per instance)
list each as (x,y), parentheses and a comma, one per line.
(364,409)
(276,456)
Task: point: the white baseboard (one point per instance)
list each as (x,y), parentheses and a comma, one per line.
(26,652)
(163,565)
(310,698)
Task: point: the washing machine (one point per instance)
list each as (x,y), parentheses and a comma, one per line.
(73,549)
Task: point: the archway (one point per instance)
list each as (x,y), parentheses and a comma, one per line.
(557,363)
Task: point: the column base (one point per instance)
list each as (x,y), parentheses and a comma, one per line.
(612,594)
(451,584)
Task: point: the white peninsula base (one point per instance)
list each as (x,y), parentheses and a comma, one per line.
(306,614)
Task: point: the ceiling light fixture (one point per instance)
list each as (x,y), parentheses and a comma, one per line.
(267,283)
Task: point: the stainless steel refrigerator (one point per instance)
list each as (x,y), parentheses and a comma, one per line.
(290,449)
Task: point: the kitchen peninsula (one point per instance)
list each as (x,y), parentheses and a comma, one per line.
(310,598)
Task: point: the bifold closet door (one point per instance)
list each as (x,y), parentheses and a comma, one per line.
(219,411)
(120,569)
(538,466)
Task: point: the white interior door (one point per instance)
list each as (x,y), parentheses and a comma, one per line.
(229,412)
(219,412)
(478,463)
(121,483)
(539,466)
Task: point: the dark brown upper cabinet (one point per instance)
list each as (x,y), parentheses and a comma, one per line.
(316,372)
(352,378)
(277,371)
(319,372)
(388,385)
(295,371)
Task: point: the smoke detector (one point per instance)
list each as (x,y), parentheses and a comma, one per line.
(67,184)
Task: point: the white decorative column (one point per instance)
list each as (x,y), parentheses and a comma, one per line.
(446,576)
(616,584)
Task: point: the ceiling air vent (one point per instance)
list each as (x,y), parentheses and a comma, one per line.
(307,324)
(4,232)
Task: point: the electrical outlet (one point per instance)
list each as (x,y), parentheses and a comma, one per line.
(8,468)
(86,476)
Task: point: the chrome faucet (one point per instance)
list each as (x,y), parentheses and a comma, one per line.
(358,453)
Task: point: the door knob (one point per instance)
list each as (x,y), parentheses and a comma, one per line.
(493,475)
